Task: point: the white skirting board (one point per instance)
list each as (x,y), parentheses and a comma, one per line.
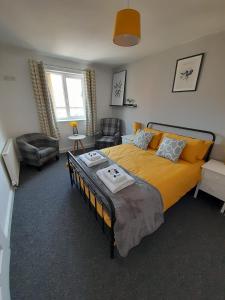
(4,277)
(8,222)
(5,250)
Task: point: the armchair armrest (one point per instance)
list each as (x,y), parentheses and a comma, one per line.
(97,135)
(117,136)
(27,149)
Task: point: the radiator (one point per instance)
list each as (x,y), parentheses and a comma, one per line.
(11,162)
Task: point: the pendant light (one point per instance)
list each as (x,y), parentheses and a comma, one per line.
(127,27)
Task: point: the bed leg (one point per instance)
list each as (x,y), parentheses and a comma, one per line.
(84,194)
(89,196)
(196,191)
(103,221)
(112,247)
(70,170)
(79,184)
(112,250)
(75,178)
(96,214)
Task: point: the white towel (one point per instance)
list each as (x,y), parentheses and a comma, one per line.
(93,155)
(114,174)
(90,163)
(115,187)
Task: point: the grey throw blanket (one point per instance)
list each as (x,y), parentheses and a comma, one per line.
(138,208)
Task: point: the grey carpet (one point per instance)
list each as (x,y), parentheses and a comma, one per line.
(59,251)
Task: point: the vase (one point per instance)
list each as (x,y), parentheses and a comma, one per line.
(75,131)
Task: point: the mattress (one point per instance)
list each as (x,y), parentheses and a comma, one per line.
(173,180)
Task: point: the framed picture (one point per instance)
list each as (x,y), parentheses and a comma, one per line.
(187,73)
(118,88)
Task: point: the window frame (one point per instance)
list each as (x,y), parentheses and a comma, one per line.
(77,75)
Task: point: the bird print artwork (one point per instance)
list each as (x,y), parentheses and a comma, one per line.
(187,72)
(185,75)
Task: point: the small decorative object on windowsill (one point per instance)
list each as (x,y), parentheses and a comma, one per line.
(74,124)
(136,126)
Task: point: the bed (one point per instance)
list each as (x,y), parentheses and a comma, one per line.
(172,180)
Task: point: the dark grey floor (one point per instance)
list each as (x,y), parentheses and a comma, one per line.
(59,251)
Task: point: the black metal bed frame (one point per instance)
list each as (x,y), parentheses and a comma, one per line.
(78,174)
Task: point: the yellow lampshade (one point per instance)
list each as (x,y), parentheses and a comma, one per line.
(136,126)
(127,28)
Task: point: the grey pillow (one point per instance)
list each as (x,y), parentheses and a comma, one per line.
(142,139)
(171,148)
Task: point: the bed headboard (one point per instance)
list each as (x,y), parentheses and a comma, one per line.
(192,132)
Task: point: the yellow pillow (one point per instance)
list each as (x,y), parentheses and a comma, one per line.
(204,149)
(193,147)
(154,144)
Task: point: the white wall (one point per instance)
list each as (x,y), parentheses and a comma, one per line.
(149,82)
(6,205)
(17,100)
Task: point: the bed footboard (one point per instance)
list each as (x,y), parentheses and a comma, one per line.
(97,201)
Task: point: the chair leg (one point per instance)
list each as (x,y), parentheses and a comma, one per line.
(57,157)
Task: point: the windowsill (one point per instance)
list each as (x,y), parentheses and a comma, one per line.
(70,120)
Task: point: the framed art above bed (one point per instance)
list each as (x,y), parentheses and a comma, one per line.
(187,73)
(118,88)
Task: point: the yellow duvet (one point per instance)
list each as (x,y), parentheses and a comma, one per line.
(173,180)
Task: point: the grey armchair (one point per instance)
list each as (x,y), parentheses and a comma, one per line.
(37,148)
(110,133)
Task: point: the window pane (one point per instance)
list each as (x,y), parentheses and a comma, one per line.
(57,90)
(74,89)
(61,113)
(77,112)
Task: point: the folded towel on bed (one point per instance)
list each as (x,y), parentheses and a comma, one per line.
(93,156)
(90,163)
(115,187)
(114,174)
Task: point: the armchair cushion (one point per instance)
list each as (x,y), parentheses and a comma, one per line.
(45,151)
(106,139)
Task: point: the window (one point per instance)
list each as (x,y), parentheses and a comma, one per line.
(67,94)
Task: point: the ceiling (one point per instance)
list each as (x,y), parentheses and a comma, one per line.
(83,29)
